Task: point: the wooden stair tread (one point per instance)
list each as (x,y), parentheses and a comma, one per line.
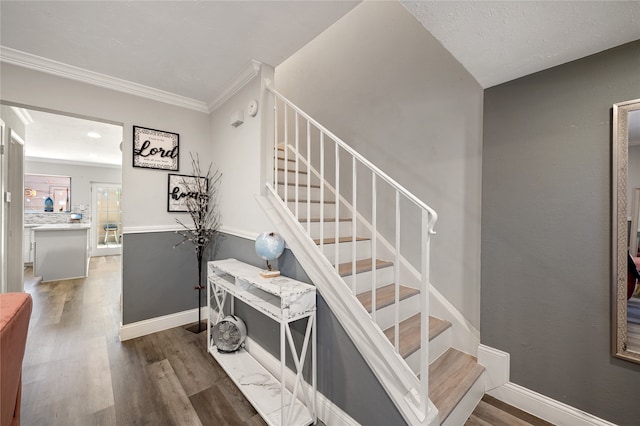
(292,200)
(326,219)
(301,185)
(491,411)
(410,333)
(385,296)
(363,265)
(450,377)
(340,240)
(302,172)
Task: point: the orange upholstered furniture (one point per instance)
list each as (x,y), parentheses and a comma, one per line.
(15,312)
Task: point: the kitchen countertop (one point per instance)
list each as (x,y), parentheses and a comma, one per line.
(62,227)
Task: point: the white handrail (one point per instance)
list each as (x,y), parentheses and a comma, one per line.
(427,221)
(432,213)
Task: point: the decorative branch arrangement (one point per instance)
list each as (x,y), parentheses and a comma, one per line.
(201,197)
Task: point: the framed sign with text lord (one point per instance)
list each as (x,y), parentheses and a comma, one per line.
(155,149)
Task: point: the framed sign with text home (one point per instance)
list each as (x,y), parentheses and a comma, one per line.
(155,149)
(187,189)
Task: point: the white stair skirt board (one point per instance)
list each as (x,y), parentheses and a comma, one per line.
(329,413)
(345,252)
(544,407)
(165,322)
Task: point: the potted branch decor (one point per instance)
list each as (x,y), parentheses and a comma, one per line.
(200,194)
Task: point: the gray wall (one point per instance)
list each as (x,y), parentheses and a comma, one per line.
(546,231)
(343,375)
(159,278)
(383,84)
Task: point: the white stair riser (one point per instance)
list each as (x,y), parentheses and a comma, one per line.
(314,208)
(437,347)
(385,276)
(345,251)
(303,191)
(344,228)
(291,177)
(467,404)
(439,344)
(291,165)
(410,306)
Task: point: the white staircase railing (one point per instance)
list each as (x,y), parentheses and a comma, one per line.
(317,161)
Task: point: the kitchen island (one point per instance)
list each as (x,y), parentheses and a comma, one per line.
(61,251)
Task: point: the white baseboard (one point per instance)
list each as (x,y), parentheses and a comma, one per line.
(327,411)
(153,325)
(544,407)
(496,364)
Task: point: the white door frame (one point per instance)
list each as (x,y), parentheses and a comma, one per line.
(3,221)
(95,250)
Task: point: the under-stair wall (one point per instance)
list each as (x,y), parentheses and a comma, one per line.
(344,377)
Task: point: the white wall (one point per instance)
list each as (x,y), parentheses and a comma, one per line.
(144,190)
(81,177)
(237,153)
(384,85)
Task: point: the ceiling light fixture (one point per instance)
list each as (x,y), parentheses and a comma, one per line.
(94,135)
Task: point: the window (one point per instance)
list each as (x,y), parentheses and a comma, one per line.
(37,188)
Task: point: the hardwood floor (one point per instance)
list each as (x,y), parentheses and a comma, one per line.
(77,372)
(493,412)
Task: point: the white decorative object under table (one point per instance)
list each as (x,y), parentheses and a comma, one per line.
(285,300)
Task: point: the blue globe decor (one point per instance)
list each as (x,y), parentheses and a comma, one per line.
(269,246)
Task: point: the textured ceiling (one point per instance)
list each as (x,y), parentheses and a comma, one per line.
(498,41)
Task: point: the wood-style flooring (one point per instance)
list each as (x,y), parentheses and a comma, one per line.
(493,412)
(77,372)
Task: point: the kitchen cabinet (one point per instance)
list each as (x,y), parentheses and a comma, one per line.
(61,251)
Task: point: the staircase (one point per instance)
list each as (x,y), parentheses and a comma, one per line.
(350,243)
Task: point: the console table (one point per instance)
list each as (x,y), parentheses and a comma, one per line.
(285,300)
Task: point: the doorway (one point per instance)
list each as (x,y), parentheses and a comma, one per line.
(106,226)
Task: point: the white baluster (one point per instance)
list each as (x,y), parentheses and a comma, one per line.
(353,224)
(297,167)
(337,219)
(374,237)
(396,272)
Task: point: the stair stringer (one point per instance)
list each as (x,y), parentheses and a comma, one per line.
(465,337)
(393,373)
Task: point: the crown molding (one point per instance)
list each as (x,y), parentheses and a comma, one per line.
(23,115)
(251,70)
(38,63)
(71,162)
